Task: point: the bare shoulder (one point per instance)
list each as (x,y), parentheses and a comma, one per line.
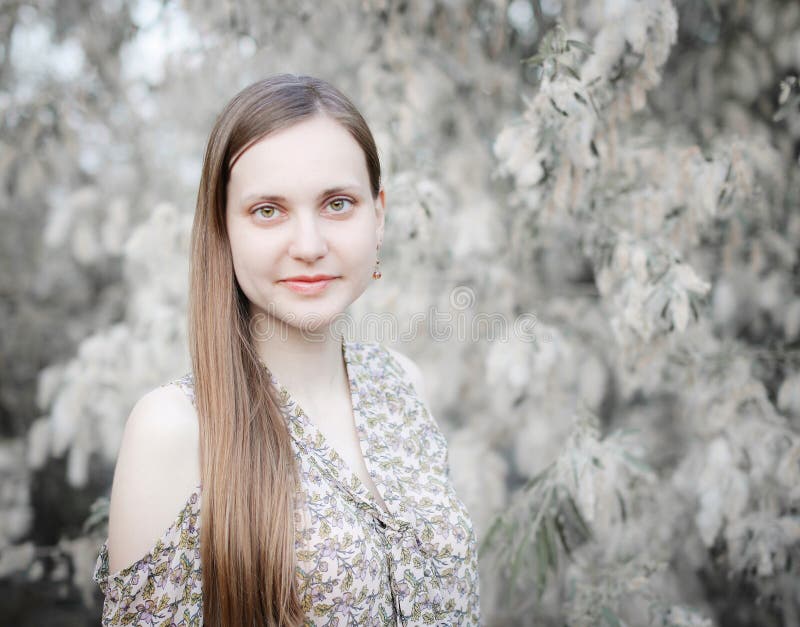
(412,370)
(156,471)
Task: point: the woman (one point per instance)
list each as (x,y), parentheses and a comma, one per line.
(326,497)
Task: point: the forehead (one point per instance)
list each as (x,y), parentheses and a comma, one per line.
(316,152)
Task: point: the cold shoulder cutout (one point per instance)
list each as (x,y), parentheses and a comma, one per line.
(165,582)
(413,563)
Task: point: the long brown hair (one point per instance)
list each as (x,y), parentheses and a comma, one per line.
(248,471)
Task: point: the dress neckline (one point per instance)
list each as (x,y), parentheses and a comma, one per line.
(309,437)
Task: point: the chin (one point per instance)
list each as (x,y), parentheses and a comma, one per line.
(308,316)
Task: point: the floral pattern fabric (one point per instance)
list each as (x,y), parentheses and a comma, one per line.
(357,563)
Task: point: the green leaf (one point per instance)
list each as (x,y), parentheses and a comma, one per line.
(533,481)
(580,46)
(98,514)
(562,534)
(541,564)
(637,463)
(486,543)
(511,530)
(536,59)
(519,555)
(622,508)
(581,523)
(610,617)
(550,538)
(784,110)
(571,71)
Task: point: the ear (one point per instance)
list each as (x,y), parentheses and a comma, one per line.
(380,214)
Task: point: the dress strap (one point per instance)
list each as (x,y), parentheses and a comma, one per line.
(186,384)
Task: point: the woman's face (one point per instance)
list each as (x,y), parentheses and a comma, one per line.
(298,205)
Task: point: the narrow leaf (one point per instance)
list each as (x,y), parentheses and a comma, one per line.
(550,538)
(580,46)
(562,534)
(519,555)
(584,528)
(571,71)
(487,540)
(637,463)
(541,564)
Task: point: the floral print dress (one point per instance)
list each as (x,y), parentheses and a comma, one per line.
(357,564)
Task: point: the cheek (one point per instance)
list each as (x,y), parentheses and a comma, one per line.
(250,258)
(361,255)
(365,242)
(240,273)
(238,256)
(245,245)
(366,265)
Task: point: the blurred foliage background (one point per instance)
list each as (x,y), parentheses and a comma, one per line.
(624,171)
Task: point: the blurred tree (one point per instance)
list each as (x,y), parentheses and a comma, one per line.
(623,173)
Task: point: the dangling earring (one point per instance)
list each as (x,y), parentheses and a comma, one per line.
(376,274)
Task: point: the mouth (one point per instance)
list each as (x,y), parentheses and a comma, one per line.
(308,285)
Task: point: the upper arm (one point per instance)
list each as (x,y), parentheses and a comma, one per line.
(412,370)
(156,471)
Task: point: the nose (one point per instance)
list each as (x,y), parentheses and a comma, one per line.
(308,240)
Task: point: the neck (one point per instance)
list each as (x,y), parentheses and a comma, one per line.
(308,364)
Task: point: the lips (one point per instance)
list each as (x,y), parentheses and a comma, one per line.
(308,285)
(310,278)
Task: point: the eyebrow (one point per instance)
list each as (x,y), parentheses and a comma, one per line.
(274,198)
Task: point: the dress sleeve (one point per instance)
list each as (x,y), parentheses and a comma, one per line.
(163,587)
(134,595)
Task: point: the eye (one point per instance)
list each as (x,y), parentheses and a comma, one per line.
(265,211)
(338,204)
